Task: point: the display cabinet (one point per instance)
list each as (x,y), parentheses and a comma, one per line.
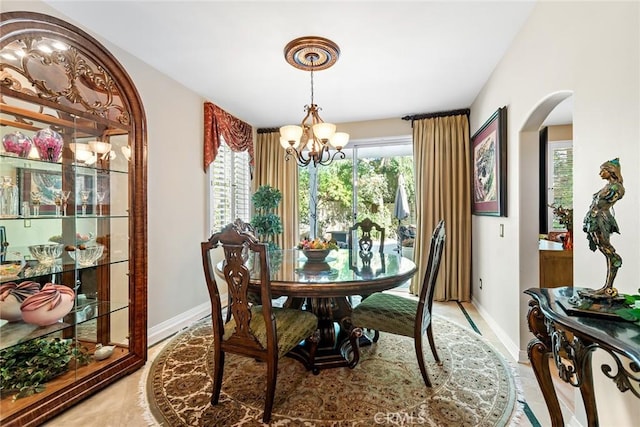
(73,301)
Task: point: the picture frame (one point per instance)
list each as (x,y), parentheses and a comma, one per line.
(48,183)
(489,166)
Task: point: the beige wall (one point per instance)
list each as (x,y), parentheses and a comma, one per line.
(560,133)
(598,64)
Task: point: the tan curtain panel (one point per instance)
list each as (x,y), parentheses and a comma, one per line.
(442,162)
(218,124)
(272,169)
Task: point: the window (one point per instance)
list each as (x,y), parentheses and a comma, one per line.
(229,188)
(560,176)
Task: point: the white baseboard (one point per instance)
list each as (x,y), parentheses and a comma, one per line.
(511,347)
(169,327)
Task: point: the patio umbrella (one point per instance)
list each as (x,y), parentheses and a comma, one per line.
(401,206)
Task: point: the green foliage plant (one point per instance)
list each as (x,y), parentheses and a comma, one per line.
(25,368)
(632,311)
(266,223)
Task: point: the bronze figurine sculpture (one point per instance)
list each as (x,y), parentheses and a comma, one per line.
(599,223)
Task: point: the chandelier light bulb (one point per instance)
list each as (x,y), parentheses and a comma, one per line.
(324,131)
(291,132)
(339,140)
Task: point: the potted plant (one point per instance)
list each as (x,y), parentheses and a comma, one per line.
(266,223)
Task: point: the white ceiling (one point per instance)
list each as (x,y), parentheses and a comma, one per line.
(397,58)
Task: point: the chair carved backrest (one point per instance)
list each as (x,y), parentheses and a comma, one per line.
(425,302)
(365,242)
(237,242)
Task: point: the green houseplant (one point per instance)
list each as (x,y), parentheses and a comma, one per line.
(25,368)
(265,221)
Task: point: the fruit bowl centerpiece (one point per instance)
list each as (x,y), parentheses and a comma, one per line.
(317,250)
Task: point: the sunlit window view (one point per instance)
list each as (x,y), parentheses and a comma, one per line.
(363,185)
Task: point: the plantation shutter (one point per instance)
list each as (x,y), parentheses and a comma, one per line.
(230,179)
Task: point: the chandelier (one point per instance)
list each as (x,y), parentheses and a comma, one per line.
(311,141)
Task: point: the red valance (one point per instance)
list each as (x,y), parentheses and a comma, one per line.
(236,133)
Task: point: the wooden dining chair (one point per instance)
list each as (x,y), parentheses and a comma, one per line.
(363,229)
(262,332)
(253,297)
(403,316)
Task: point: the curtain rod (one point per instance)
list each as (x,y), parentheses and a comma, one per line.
(462,111)
(268,130)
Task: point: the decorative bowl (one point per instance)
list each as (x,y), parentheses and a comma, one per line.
(12,296)
(49,143)
(46,253)
(10,269)
(17,143)
(51,304)
(316,255)
(87,256)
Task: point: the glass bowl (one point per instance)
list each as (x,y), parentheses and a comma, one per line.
(87,256)
(46,253)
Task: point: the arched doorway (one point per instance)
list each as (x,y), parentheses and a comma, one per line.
(529,171)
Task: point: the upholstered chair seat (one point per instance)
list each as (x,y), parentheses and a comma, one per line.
(387,313)
(291,324)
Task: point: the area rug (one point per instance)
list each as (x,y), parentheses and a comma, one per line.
(474,386)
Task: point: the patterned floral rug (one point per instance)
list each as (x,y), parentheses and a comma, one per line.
(475,386)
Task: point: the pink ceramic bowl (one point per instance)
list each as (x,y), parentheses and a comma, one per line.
(12,296)
(48,306)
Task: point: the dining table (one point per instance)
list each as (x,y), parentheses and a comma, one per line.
(329,289)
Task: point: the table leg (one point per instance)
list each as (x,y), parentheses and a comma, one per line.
(539,350)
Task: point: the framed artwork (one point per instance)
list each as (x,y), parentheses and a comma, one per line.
(46,184)
(489,166)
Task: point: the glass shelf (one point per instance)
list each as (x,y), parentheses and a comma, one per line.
(44,166)
(20,332)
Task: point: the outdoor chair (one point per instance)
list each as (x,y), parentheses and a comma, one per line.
(403,316)
(261,332)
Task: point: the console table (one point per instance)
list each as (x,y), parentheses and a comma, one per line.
(571,340)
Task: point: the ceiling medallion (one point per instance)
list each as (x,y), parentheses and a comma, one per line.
(311,53)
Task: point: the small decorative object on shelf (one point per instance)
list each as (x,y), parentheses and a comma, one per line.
(103,351)
(85,256)
(49,143)
(36,198)
(84,198)
(46,253)
(12,296)
(8,198)
(64,195)
(48,306)
(599,223)
(57,200)
(100,195)
(17,143)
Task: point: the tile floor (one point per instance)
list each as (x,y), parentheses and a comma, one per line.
(118,405)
